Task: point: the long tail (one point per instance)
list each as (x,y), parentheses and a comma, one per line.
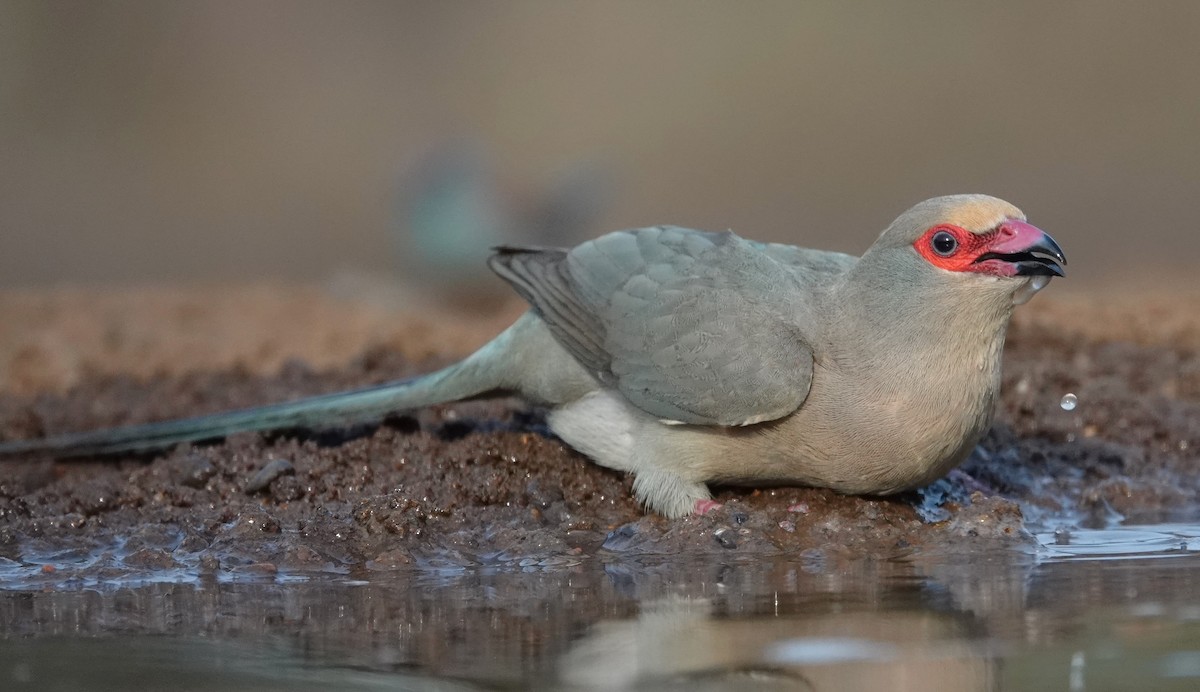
(478,374)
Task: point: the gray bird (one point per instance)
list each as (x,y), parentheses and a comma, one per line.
(686,357)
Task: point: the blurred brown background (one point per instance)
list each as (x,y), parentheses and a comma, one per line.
(152,141)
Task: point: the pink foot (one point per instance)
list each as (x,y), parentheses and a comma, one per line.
(969,481)
(705,506)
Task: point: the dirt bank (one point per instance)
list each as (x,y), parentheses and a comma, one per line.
(482,483)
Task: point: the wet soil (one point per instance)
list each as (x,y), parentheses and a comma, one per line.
(485,484)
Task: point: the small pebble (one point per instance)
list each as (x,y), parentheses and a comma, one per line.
(726,538)
(150,558)
(621,538)
(193,471)
(274,469)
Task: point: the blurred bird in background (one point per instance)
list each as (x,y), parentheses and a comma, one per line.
(453,206)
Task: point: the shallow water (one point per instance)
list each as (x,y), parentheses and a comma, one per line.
(1111,609)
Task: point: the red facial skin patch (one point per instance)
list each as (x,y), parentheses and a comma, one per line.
(1010,236)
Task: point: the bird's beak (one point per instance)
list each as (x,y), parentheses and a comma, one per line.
(1027,248)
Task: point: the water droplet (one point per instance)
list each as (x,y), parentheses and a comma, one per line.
(1068,402)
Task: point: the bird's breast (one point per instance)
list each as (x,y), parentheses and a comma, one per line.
(880,430)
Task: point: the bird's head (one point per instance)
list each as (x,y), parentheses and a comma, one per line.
(973,238)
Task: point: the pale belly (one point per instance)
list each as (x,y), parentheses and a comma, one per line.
(882,443)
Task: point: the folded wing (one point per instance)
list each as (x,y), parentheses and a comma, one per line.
(691,327)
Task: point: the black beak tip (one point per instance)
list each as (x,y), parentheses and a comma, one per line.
(1044,259)
(1040,268)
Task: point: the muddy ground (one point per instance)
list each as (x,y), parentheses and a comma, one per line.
(484,483)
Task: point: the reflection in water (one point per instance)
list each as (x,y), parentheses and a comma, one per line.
(678,644)
(186,664)
(928,622)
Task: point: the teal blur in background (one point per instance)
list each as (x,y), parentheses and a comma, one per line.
(149,141)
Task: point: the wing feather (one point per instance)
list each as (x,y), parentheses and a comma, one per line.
(691,327)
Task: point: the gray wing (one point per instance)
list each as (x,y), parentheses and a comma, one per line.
(689,326)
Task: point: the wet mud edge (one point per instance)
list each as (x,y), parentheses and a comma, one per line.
(485,484)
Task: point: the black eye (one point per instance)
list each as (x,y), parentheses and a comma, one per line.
(943,243)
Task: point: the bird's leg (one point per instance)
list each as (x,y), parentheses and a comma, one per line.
(703,507)
(670,494)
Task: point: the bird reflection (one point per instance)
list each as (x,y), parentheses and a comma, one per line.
(679,643)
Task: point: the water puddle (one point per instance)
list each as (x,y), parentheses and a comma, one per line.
(1091,609)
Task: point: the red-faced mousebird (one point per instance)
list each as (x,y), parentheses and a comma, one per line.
(685,357)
